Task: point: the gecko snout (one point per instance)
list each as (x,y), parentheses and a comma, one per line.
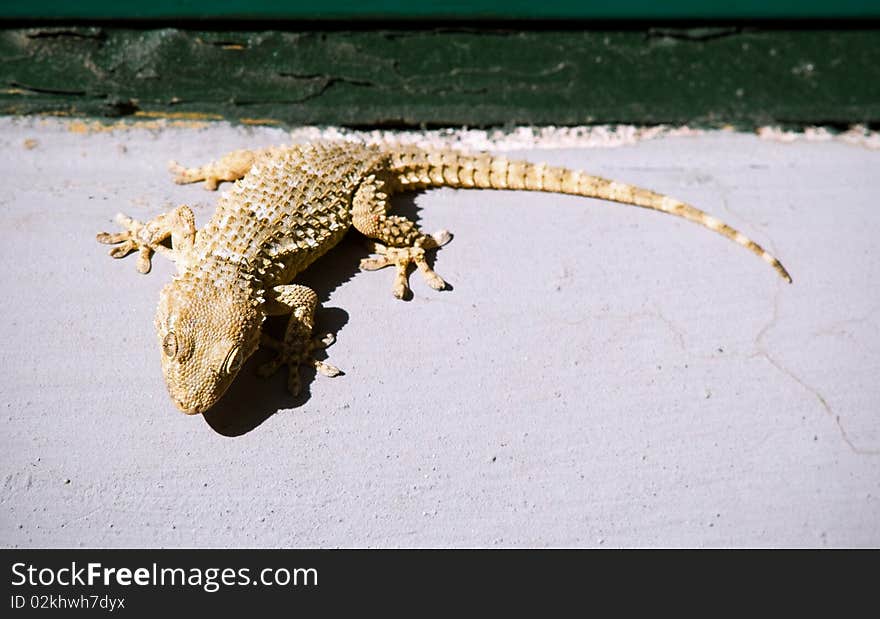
(189,410)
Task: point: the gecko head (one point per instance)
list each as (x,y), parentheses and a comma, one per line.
(206,332)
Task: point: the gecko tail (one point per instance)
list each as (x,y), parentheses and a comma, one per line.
(418,169)
(576,183)
(597,187)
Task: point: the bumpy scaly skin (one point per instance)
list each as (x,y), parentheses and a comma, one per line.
(288,206)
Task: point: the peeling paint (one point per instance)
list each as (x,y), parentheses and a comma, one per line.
(704,77)
(178,115)
(858,135)
(259,121)
(496,140)
(95,126)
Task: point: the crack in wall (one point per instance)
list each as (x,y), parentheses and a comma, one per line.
(327,82)
(679,334)
(654,314)
(823,401)
(838,328)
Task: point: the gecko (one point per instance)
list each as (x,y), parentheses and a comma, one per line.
(288,206)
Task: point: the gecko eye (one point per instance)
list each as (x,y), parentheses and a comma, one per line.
(233,361)
(169,345)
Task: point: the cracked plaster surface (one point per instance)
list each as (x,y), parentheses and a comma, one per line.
(599,374)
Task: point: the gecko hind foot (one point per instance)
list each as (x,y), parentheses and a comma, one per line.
(231,167)
(402,257)
(295,355)
(184,176)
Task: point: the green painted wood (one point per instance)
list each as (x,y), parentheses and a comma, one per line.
(707,76)
(446,9)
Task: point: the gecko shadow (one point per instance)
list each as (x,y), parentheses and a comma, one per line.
(251,399)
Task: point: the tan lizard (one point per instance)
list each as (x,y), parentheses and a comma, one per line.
(288,206)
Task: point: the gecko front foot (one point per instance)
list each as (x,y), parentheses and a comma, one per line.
(136,237)
(146,238)
(295,354)
(402,257)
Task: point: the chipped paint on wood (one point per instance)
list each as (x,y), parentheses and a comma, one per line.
(98,126)
(408,78)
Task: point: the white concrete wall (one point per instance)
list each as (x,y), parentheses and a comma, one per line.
(599,375)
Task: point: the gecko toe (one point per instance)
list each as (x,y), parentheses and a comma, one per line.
(131,239)
(402,257)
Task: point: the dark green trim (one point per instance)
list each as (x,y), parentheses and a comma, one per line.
(706,76)
(445,9)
